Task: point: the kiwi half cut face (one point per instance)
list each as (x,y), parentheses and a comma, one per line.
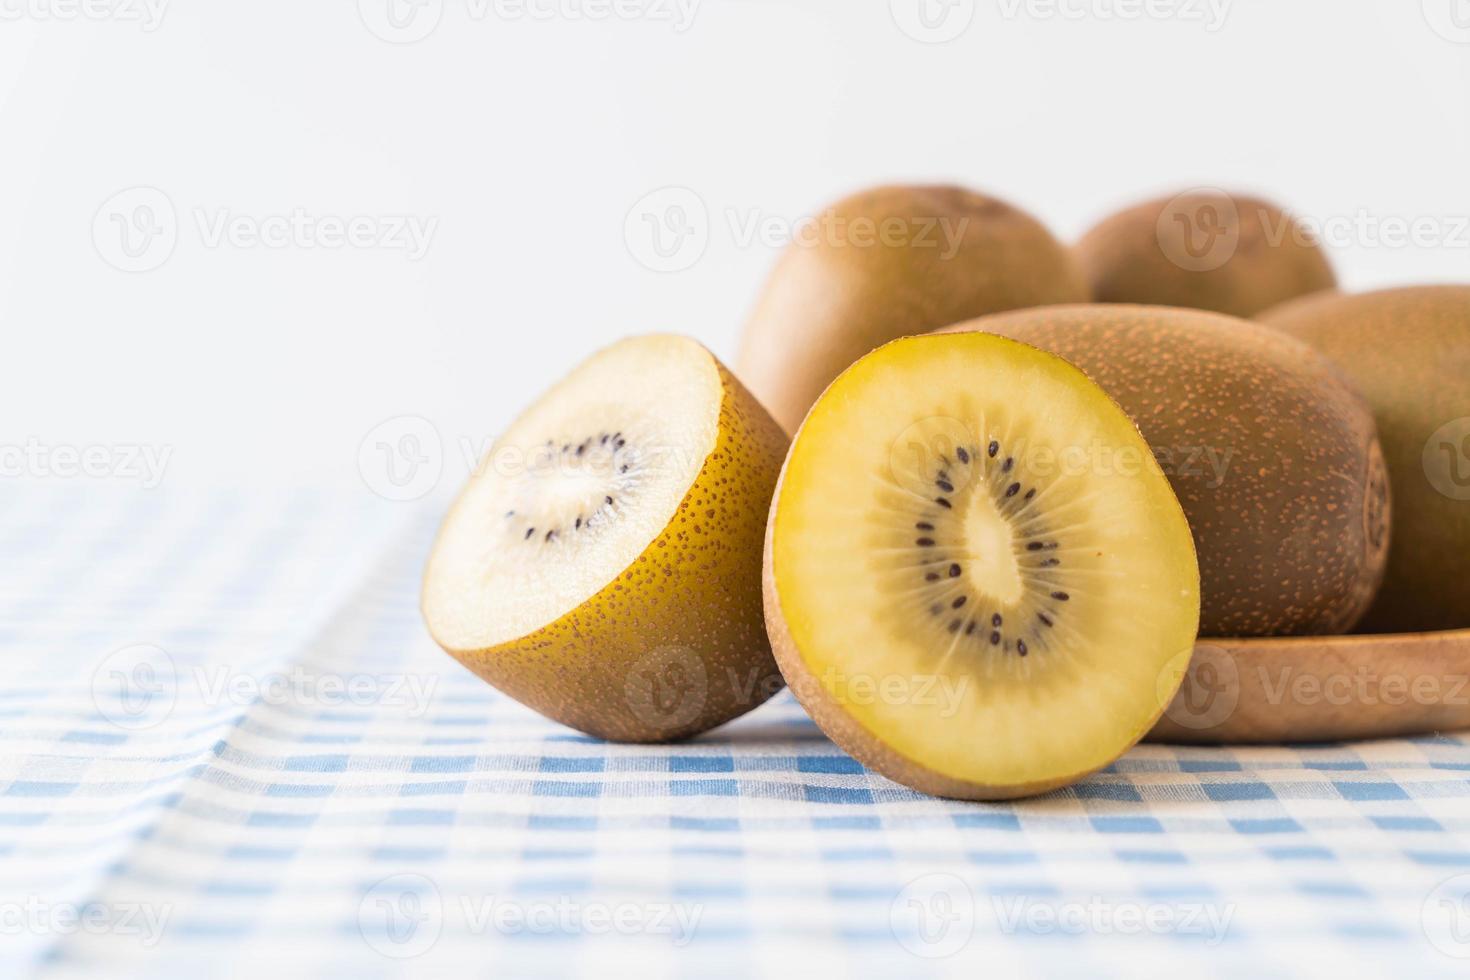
(604,563)
(977,580)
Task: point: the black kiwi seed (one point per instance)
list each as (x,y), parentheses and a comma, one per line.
(579,523)
(550,535)
(529,531)
(947,595)
(609,500)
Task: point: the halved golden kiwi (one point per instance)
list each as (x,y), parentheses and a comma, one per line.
(604,564)
(977,579)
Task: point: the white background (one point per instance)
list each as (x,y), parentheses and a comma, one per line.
(527,134)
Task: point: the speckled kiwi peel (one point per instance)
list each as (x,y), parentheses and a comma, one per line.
(1168,252)
(1408,349)
(1273,453)
(690,602)
(961,254)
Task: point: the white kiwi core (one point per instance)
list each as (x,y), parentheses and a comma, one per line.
(574,491)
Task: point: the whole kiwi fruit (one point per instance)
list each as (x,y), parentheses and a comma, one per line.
(886,263)
(1272,452)
(1409,352)
(1205,250)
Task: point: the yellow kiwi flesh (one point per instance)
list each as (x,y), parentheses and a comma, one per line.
(963,596)
(1272,452)
(887,263)
(1205,250)
(1409,351)
(603,566)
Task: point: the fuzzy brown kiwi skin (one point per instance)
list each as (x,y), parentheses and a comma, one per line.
(853,737)
(1125,260)
(693,592)
(1408,349)
(1294,539)
(825,306)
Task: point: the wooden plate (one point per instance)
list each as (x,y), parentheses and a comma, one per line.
(1321,689)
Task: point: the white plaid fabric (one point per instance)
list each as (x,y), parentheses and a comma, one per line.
(227,747)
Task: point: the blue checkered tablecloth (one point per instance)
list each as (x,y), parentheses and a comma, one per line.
(227,747)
